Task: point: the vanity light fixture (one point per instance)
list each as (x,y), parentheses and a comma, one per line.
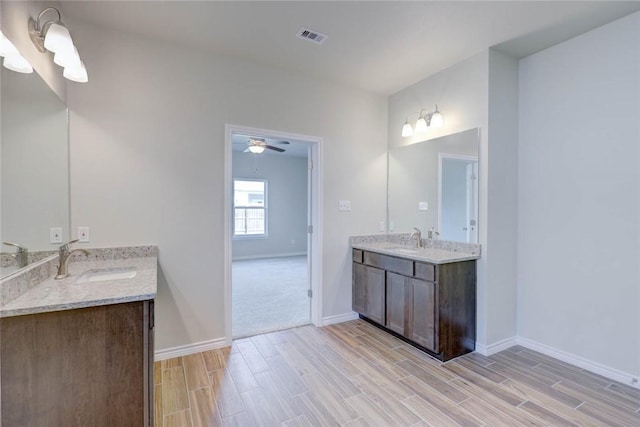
(13,60)
(53,35)
(425,121)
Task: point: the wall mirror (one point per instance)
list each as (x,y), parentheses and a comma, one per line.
(434,184)
(34,167)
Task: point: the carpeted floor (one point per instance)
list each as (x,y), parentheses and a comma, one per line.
(269,294)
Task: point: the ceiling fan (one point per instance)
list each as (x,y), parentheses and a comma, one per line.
(258,145)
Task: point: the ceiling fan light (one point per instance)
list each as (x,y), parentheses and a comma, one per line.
(436,119)
(256,149)
(407,130)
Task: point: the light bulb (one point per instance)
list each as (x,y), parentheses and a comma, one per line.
(407,130)
(76,73)
(256,149)
(421,124)
(58,39)
(6,47)
(18,64)
(67,58)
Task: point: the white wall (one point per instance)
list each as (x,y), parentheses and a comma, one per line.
(579,196)
(501,162)
(463,93)
(286,204)
(147,164)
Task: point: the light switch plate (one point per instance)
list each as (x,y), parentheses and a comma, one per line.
(55,234)
(83,234)
(423,206)
(344,205)
(382,227)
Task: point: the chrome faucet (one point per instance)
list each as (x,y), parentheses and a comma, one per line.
(432,233)
(417,234)
(64,255)
(21,255)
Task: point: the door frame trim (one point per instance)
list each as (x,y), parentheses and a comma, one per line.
(315,215)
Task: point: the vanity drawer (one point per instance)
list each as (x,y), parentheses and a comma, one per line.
(426,271)
(389,263)
(357,256)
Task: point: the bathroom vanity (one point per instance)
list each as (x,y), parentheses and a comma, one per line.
(79,351)
(426,296)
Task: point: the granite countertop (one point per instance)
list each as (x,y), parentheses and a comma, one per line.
(428,254)
(67,294)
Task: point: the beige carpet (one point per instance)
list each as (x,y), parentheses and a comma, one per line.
(268,295)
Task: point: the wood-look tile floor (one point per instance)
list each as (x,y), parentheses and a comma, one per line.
(353,374)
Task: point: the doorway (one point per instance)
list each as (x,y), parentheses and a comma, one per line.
(458,197)
(271,222)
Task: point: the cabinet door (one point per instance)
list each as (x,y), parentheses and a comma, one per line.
(368,292)
(358,289)
(422,328)
(398,303)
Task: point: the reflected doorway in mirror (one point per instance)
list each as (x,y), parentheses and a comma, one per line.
(458,197)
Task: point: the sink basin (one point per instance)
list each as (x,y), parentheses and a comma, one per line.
(406,250)
(102,274)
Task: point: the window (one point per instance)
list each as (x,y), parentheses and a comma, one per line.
(249,207)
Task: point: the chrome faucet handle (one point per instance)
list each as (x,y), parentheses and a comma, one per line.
(65,246)
(19,249)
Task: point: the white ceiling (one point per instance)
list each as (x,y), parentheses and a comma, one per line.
(379,46)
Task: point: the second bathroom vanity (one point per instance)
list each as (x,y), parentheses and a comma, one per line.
(425,295)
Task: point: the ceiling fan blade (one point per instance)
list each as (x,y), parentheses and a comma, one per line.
(283,142)
(271,147)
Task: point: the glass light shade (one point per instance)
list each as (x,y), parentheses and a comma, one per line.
(407,130)
(18,64)
(6,47)
(421,124)
(76,74)
(67,58)
(58,39)
(256,149)
(436,119)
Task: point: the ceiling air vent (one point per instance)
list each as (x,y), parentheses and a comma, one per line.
(312,36)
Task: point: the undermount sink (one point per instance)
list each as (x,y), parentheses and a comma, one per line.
(406,250)
(102,274)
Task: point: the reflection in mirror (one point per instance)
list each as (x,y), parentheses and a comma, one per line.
(433,185)
(34,169)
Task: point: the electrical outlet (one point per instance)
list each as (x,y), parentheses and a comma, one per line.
(382,228)
(344,205)
(83,234)
(423,206)
(55,234)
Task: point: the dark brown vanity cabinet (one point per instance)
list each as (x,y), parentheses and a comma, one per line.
(83,367)
(433,306)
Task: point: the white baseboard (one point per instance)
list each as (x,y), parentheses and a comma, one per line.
(281,255)
(496,347)
(340,318)
(589,365)
(185,350)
